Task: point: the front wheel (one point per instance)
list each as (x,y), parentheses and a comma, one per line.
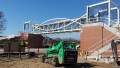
(55,61)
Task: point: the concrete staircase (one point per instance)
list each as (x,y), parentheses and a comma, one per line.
(108,46)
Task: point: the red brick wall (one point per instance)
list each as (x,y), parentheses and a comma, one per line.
(92,35)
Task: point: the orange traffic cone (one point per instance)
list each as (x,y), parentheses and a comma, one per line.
(37,49)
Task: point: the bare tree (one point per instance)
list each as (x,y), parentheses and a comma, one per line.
(2,22)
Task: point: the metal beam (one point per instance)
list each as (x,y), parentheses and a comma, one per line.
(109,13)
(118,16)
(114,3)
(53,19)
(98,3)
(87,12)
(94,9)
(107,9)
(63,31)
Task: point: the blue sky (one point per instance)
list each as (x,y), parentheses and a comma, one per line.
(19,11)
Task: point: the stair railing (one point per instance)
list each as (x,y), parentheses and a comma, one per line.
(97,47)
(101,41)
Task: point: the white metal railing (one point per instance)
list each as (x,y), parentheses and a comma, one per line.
(102,20)
(100,41)
(98,46)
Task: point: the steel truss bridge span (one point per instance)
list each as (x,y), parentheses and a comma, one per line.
(58,27)
(62,26)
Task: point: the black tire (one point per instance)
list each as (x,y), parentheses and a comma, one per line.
(55,61)
(42,59)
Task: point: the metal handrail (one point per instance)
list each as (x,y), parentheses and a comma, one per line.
(103,43)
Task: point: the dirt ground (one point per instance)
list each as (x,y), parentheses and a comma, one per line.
(34,63)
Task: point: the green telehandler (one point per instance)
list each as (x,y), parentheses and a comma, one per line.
(63,53)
